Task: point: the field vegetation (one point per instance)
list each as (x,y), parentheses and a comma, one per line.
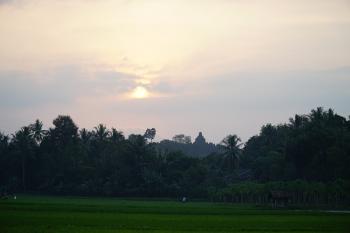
(72,214)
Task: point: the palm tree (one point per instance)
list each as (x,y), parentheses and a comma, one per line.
(232,150)
(37,131)
(85,135)
(24,144)
(116,136)
(101,132)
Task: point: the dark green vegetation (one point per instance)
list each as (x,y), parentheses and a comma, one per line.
(52,214)
(307,160)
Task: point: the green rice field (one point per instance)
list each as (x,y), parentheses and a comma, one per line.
(73,214)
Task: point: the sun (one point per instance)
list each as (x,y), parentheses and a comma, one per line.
(140,92)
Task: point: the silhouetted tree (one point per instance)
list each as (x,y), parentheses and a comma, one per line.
(150,134)
(23,144)
(116,136)
(37,131)
(181,138)
(64,132)
(101,133)
(232,150)
(85,135)
(307,159)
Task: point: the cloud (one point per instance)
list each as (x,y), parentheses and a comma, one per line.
(241,102)
(6,1)
(11,2)
(217,66)
(234,102)
(61,85)
(157,34)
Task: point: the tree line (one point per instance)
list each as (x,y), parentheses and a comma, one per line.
(308,158)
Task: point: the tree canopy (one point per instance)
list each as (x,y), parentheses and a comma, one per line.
(309,157)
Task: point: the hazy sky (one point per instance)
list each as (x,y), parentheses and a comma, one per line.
(219,67)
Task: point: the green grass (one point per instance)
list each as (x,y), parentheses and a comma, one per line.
(72,214)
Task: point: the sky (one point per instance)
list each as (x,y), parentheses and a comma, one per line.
(221,67)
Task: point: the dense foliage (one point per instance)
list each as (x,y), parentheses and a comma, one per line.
(309,157)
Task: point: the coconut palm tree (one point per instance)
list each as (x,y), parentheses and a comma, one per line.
(24,144)
(101,132)
(37,131)
(116,136)
(232,150)
(85,135)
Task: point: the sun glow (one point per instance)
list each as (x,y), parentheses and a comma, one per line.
(140,92)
